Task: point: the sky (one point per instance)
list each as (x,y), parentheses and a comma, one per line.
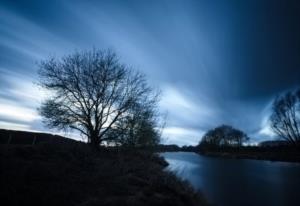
(216,62)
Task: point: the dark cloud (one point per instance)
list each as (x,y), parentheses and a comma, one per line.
(215,61)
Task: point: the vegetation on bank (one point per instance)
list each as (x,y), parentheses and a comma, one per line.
(72,173)
(273,151)
(285,153)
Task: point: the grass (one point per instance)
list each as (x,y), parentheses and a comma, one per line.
(72,173)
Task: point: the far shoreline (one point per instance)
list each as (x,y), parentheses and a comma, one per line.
(269,157)
(273,154)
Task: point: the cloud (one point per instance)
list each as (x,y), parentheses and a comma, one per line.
(18,113)
(266,129)
(10,125)
(263,130)
(19,99)
(211,71)
(181,136)
(184,108)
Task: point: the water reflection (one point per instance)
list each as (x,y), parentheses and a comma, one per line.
(230,182)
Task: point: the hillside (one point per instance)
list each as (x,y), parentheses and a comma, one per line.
(66,172)
(30,138)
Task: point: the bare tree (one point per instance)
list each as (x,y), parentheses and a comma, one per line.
(285,119)
(91,91)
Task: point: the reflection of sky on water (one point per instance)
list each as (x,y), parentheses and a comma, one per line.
(181,167)
(187,170)
(238,181)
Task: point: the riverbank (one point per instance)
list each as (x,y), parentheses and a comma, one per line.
(283,153)
(74,174)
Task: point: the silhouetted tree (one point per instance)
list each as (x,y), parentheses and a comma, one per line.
(224,136)
(285,118)
(141,126)
(91,92)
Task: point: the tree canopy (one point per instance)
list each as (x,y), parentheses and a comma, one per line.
(93,92)
(224,135)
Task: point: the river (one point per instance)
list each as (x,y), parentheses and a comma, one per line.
(231,182)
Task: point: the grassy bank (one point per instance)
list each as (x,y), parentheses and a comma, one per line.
(74,174)
(279,153)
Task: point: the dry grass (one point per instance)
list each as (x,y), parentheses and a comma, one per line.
(74,174)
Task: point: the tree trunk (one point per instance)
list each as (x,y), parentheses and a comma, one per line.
(94,140)
(297,144)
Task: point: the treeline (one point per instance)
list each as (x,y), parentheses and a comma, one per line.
(284,121)
(272,152)
(227,141)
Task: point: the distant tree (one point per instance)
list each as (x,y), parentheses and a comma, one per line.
(285,118)
(273,143)
(224,136)
(91,92)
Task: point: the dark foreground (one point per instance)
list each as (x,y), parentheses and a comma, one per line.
(74,174)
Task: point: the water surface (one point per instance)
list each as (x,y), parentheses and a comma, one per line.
(230,182)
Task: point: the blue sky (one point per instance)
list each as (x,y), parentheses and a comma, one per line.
(216,62)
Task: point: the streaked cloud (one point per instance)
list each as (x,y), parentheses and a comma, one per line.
(216,63)
(18,113)
(190,109)
(181,136)
(9,125)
